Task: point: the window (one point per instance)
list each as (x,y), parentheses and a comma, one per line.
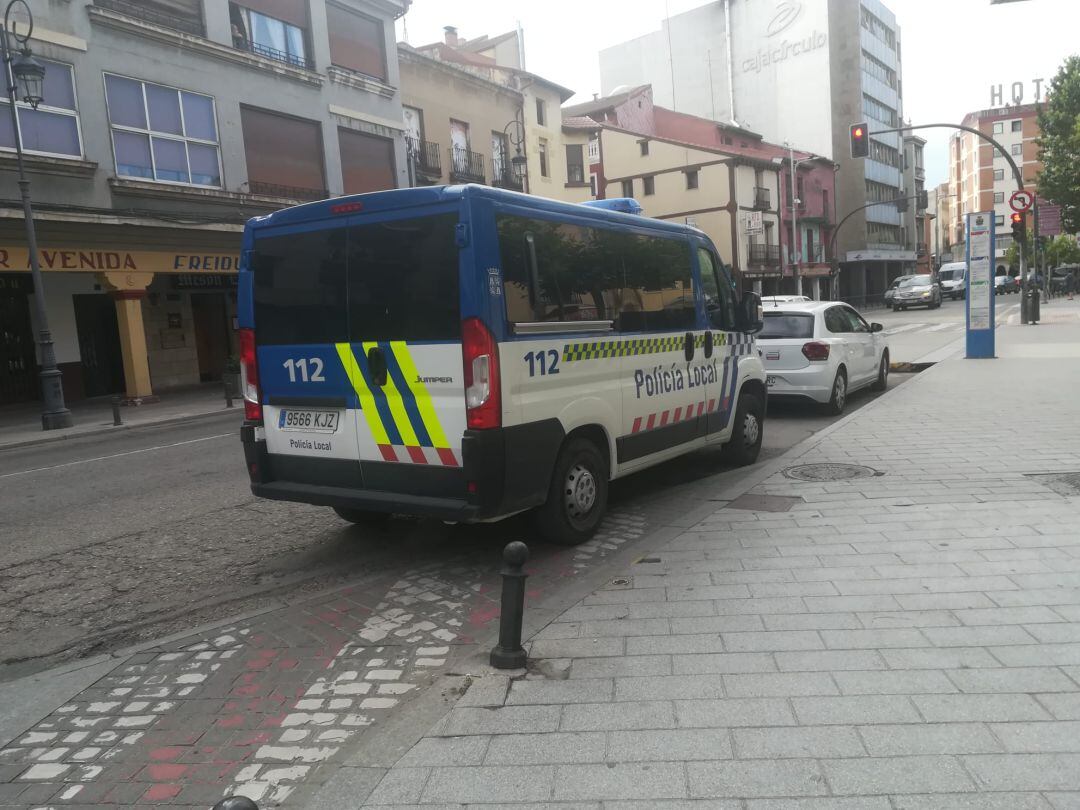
(541,112)
(356,42)
(367,162)
(692,179)
(719,292)
(779,325)
(999,196)
(881,153)
(878,28)
(628,188)
(880,192)
(835,320)
(592,184)
(999,128)
(270,36)
(545,170)
(879,111)
(284,154)
(854,320)
(644,147)
(554,271)
(999,174)
(1018,125)
(999,220)
(53,128)
(878,70)
(500,157)
(575,163)
(161,133)
(648,185)
(1018,149)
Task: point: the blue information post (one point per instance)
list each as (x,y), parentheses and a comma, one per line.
(980,285)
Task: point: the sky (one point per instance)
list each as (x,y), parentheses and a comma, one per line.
(953,50)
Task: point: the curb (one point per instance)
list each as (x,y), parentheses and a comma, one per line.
(99,431)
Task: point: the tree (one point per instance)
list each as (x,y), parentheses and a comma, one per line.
(1062,250)
(1059,144)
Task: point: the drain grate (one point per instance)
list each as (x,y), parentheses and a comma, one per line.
(1064,483)
(830,472)
(765,503)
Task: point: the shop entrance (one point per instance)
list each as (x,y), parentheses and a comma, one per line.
(18,364)
(99,345)
(211,334)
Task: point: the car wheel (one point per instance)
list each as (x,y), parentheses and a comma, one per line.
(747,431)
(362,517)
(882,382)
(838,398)
(895,307)
(577,498)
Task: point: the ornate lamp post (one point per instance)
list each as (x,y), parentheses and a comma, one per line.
(24,78)
(515,134)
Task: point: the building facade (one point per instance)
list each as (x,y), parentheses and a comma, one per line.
(798,73)
(165,125)
(917,203)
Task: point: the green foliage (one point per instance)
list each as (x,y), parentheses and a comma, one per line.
(1059,144)
(1062,250)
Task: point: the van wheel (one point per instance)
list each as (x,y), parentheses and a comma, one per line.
(362,517)
(578,495)
(746,432)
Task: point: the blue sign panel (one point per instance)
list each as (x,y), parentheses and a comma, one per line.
(980,285)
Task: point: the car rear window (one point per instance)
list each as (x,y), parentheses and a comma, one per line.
(780,325)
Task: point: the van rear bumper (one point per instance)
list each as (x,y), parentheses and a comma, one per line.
(320,495)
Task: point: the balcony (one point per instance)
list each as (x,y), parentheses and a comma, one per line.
(189,25)
(504,178)
(762,199)
(426,158)
(265,51)
(466,166)
(765,255)
(287,192)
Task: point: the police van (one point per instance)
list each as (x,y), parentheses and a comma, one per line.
(468,353)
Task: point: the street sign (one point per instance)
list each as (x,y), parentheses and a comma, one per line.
(980,285)
(755,225)
(1021,201)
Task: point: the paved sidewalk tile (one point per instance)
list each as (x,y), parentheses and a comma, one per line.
(918,774)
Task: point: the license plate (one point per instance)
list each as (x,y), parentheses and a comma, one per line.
(770,381)
(310,421)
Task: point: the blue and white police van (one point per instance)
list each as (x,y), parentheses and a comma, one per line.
(468,353)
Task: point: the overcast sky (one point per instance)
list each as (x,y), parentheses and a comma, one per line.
(953,49)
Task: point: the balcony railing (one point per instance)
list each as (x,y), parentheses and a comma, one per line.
(762,199)
(188,25)
(287,192)
(505,178)
(242,44)
(466,166)
(428,160)
(765,255)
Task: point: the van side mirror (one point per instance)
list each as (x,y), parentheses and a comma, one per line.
(751,314)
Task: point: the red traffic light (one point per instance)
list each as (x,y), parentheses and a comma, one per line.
(1018,219)
(857,132)
(860,144)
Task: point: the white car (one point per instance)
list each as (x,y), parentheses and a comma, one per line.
(773,300)
(822,350)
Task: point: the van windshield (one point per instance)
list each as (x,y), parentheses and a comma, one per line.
(950,275)
(391,280)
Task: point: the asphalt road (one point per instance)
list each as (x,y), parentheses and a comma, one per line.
(917,335)
(118,539)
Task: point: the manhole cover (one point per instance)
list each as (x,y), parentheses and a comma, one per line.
(1066,484)
(830,472)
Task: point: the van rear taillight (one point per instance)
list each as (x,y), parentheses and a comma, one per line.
(816,350)
(480,352)
(249,376)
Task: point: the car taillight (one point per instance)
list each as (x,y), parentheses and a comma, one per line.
(480,353)
(249,376)
(816,351)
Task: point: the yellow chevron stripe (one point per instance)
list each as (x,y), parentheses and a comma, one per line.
(397,406)
(367,402)
(423,396)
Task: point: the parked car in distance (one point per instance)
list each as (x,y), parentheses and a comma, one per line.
(953,280)
(917,291)
(891,292)
(1006,284)
(1061,276)
(822,351)
(773,300)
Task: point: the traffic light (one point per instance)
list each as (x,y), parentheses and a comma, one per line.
(860,140)
(1019,227)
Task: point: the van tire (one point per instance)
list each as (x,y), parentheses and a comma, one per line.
(747,431)
(580,476)
(362,517)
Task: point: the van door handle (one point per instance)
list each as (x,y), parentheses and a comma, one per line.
(688,346)
(377,363)
(708,344)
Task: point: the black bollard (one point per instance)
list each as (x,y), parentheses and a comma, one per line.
(116,411)
(236,803)
(508,653)
(228,393)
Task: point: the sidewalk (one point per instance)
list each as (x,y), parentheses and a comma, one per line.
(20,425)
(909,639)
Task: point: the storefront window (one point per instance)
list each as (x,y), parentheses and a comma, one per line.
(161,133)
(53,128)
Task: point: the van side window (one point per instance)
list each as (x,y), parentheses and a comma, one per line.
(560,272)
(299,287)
(719,294)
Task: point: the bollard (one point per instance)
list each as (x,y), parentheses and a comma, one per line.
(508,653)
(116,411)
(228,392)
(236,803)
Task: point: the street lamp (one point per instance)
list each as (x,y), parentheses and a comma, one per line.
(514,132)
(25,74)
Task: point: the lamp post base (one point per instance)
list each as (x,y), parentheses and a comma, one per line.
(54,414)
(55,420)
